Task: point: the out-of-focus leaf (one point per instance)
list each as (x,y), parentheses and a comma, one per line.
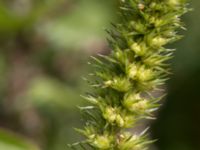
(13,20)
(8,22)
(83,25)
(50,92)
(9,141)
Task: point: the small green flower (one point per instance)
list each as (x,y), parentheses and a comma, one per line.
(129,120)
(139,49)
(131,142)
(135,103)
(132,71)
(120,121)
(110,114)
(102,142)
(119,83)
(157,42)
(144,74)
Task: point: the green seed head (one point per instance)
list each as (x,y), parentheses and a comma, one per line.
(136,66)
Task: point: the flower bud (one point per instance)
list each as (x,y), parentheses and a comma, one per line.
(119,121)
(119,84)
(139,49)
(132,71)
(102,142)
(108,83)
(158,41)
(157,22)
(129,120)
(135,103)
(120,55)
(139,26)
(144,74)
(109,114)
(92,136)
(128,141)
(140,106)
(152,61)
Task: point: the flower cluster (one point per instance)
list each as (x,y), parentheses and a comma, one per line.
(125,80)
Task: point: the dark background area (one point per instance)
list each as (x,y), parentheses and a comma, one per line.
(44,49)
(178,122)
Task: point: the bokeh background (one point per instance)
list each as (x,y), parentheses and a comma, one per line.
(44,49)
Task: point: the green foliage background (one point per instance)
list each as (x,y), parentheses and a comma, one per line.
(44,49)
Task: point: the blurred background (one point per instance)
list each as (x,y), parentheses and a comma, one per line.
(44,49)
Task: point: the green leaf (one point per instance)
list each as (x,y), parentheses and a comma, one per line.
(10,141)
